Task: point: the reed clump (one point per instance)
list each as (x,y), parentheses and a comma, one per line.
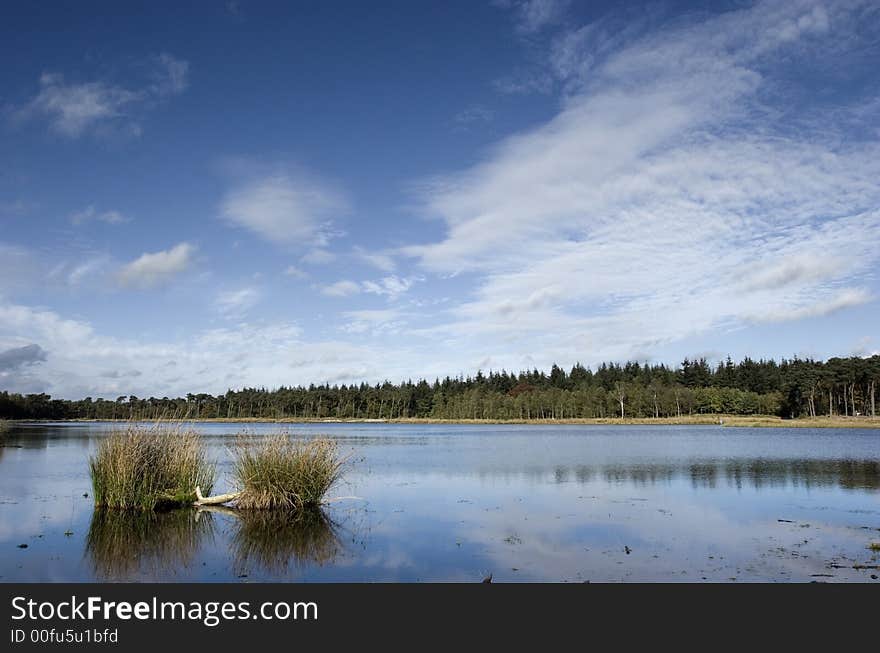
(149,468)
(280,473)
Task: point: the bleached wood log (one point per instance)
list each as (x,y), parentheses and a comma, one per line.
(217,500)
(220,499)
(335,499)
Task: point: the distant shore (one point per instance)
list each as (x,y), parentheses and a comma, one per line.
(753,421)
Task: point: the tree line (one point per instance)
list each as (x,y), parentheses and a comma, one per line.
(791,388)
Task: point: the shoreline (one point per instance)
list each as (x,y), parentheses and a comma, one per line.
(742,421)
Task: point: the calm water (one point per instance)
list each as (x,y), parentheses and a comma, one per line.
(455,503)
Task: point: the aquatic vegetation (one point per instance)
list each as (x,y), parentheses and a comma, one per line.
(282,473)
(149,468)
(122,544)
(273,539)
(4,426)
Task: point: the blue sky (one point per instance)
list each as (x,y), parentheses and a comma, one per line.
(245,193)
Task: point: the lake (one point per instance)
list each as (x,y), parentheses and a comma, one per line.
(459,502)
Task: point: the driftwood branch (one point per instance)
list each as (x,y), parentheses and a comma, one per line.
(220,499)
(335,499)
(215,500)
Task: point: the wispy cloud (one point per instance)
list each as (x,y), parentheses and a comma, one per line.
(845,298)
(171,76)
(289,207)
(342,288)
(318,256)
(380,260)
(213,360)
(152,269)
(236,303)
(534,15)
(525,81)
(78,272)
(392,285)
(73,108)
(375,321)
(90,213)
(665,199)
(295,272)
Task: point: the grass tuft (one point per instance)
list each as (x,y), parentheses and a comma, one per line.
(149,468)
(278,473)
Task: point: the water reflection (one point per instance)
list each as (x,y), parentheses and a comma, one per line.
(740,472)
(125,543)
(452,502)
(273,540)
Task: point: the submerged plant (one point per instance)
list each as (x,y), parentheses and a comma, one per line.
(149,468)
(283,474)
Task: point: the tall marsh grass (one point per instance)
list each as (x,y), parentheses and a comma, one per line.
(279,473)
(150,468)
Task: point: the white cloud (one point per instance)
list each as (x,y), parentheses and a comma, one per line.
(295,272)
(376,321)
(72,108)
(235,303)
(391,285)
(379,260)
(154,268)
(171,76)
(44,270)
(535,15)
(93,266)
(342,288)
(288,207)
(83,362)
(90,213)
(318,256)
(664,200)
(846,298)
